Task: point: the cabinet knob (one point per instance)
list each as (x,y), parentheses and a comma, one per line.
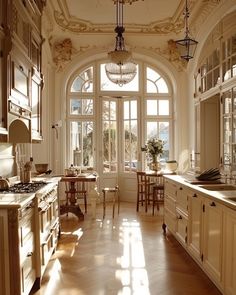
(180,188)
(212,204)
(180,217)
(194,195)
(29,254)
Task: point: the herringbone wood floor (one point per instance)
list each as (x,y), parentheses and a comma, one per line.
(126,256)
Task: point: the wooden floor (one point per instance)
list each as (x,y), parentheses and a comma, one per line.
(127,256)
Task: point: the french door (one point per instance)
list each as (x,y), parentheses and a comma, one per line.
(119,142)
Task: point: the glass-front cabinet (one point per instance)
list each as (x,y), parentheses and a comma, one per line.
(229,129)
(215,76)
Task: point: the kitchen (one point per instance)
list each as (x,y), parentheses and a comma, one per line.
(45,50)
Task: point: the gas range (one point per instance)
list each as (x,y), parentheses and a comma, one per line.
(22,188)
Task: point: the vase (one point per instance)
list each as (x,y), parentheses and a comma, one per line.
(155,164)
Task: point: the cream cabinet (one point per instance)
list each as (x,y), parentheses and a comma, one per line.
(17,250)
(182,214)
(212,250)
(230,252)
(197,223)
(170,220)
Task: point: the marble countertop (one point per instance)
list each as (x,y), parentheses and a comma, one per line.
(223,196)
(19,200)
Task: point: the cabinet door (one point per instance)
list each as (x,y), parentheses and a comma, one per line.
(182,228)
(182,198)
(212,250)
(230,253)
(195,225)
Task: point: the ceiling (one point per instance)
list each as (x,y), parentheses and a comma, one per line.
(142,16)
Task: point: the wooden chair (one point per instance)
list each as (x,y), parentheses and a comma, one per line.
(158,193)
(115,197)
(144,189)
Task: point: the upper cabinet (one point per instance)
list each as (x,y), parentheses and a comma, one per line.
(215,100)
(21,66)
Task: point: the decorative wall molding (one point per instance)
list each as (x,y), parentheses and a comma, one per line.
(62,53)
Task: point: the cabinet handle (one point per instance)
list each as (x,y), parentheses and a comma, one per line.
(29,254)
(194,195)
(212,204)
(180,217)
(21,68)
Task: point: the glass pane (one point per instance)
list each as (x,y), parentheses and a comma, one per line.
(83,82)
(227,102)
(82,143)
(216,76)
(234,98)
(151,107)
(133,109)
(155,83)
(152,75)
(76,109)
(152,130)
(164,107)
(227,130)
(234,44)
(151,87)
(113,110)
(130,137)
(234,65)
(126,110)
(162,86)
(226,152)
(109,136)
(216,57)
(107,85)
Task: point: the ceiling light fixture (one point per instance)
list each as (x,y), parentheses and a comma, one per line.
(121,70)
(186,46)
(125,1)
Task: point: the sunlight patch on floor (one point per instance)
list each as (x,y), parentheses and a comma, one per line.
(133,274)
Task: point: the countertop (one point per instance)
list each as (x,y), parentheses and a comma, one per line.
(14,200)
(221,196)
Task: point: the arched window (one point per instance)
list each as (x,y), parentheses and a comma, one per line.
(119,119)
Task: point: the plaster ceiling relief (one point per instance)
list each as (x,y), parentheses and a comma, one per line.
(98,16)
(202,13)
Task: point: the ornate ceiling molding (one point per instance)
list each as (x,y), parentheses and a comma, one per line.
(76,25)
(174,24)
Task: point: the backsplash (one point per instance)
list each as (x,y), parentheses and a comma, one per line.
(7,163)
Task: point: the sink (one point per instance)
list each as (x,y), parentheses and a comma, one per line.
(219,187)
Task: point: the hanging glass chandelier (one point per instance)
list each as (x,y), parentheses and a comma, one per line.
(121,70)
(186,46)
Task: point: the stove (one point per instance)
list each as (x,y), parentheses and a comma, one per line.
(21,188)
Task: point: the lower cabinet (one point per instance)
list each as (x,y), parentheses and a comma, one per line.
(212,248)
(17,250)
(230,253)
(197,222)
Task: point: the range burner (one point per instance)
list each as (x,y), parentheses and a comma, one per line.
(20,188)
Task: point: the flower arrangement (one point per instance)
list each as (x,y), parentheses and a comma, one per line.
(154,147)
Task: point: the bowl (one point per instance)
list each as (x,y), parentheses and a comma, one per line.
(41,168)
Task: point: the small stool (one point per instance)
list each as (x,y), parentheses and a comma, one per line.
(115,191)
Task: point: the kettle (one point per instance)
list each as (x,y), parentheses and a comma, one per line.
(4,184)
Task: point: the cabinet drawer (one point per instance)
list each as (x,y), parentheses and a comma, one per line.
(169,204)
(181,230)
(170,189)
(170,220)
(28,275)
